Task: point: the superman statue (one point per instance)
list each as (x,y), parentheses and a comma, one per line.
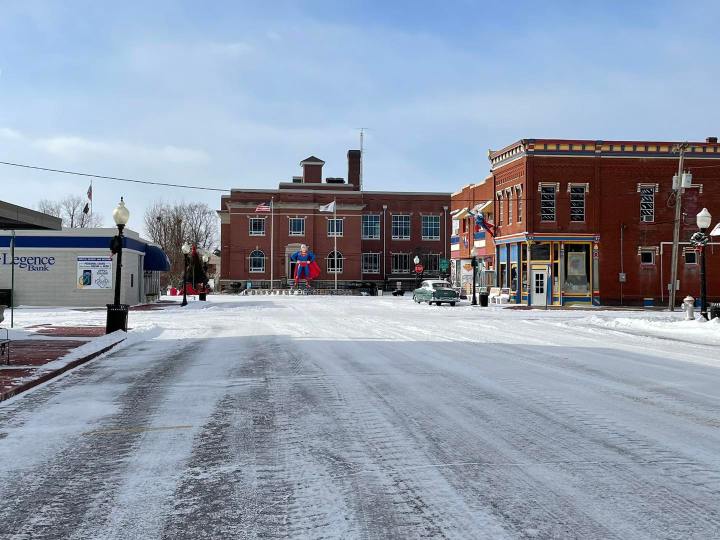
(304,269)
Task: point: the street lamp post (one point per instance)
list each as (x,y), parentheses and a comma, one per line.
(186,251)
(474,264)
(117,313)
(700,240)
(203,294)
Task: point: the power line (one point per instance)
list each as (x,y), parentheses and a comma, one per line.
(114,178)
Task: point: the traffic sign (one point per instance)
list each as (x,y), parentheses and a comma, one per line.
(419,268)
(444,265)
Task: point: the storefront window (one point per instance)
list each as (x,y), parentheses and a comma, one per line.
(577,269)
(503,275)
(540,251)
(513,277)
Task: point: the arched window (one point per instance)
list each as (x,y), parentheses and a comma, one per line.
(257,261)
(335,266)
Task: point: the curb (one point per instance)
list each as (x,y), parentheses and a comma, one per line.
(52,374)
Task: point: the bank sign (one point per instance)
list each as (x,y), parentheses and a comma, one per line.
(29,263)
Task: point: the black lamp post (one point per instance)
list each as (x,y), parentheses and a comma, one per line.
(474,264)
(700,240)
(202,295)
(117,313)
(186,251)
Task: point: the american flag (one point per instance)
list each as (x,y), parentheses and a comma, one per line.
(263,207)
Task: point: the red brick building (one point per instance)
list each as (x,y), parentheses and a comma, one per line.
(378,233)
(583,221)
(467,240)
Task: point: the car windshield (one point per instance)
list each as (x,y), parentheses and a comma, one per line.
(440,285)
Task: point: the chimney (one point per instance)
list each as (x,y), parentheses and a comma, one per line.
(353,174)
(312,170)
(711,140)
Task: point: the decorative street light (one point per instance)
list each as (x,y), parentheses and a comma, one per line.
(205,258)
(700,240)
(117,313)
(186,251)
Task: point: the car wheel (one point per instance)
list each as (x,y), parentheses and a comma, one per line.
(452,303)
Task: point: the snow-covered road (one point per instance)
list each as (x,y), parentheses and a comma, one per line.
(308,417)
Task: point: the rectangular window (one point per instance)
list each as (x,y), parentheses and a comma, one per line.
(335,227)
(500,210)
(257,226)
(455,227)
(510,207)
(370,227)
(400,263)
(370,263)
(401,227)
(690,256)
(519,195)
(297,226)
(577,203)
(430,262)
(647,204)
(431,227)
(647,257)
(547,203)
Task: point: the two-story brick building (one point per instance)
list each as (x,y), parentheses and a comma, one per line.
(584,221)
(467,239)
(378,233)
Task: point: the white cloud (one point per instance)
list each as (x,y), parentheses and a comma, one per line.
(76,148)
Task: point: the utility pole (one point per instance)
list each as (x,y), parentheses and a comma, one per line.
(678,187)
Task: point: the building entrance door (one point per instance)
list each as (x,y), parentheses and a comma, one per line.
(539,288)
(290,265)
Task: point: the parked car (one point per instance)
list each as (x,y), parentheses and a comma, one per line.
(436,291)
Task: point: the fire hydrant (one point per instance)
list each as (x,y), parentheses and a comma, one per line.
(689,306)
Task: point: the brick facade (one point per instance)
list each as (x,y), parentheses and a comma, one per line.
(592,209)
(300,199)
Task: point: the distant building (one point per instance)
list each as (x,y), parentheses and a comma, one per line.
(468,240)
(584,221)
(378,233)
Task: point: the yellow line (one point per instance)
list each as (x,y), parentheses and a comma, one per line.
(139,429)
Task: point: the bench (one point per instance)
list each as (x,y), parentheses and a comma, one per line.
(499,295)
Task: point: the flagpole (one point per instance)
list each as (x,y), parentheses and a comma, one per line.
(335,240)
(91,194)
(272,240)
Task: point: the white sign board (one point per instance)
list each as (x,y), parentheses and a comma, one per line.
(716,230)
(94,272)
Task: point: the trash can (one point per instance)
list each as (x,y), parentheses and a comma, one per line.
(714,310)
(202,296)
(117,317)
(484,296)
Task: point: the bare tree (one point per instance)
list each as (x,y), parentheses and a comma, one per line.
(71,210)
(171,225)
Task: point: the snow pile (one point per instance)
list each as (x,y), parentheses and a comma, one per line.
(697,331)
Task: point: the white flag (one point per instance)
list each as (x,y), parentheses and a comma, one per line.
(330,207)
(716,230)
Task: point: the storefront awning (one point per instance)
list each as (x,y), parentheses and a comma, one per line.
(461,214)
(482,206)
(155,259)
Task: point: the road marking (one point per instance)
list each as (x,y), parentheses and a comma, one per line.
(139,429)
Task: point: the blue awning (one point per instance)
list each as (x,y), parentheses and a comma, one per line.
(155,259)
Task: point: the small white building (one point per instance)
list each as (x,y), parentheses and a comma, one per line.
(75,268)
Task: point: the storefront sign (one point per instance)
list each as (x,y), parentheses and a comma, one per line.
(31,264)
(94,272)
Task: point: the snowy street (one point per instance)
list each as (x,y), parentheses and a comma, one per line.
(362,417)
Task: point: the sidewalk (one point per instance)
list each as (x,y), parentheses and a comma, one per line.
(42,352)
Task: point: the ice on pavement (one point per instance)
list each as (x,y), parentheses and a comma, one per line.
(367,417)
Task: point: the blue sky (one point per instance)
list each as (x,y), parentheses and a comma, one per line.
(235,94)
